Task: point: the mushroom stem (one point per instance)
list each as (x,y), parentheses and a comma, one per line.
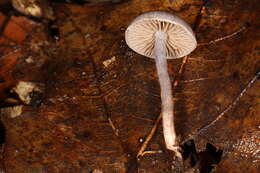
(166,94)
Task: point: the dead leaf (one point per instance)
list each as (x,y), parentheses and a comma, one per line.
(93,117)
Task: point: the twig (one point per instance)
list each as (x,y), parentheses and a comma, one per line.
(223,38)
(151,152)
(184,61)
(113,126)
(142,151)
(11,52)
(149,137)
(234,103)
(201,79)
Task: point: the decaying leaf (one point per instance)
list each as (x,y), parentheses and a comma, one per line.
(95,118)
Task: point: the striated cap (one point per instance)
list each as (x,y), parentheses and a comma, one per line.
(140,34)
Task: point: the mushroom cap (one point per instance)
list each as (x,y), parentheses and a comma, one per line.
(140,34)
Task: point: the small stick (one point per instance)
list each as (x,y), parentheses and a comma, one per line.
(151,152)
(223,38)
(149,137)
(11,52)
(234,103)
(113,126)
(184,61)
(142,151)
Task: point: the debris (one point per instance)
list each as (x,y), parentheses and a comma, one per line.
(107,62)
(29,60)
(27,90)
(97,171)
(12,112)
(35,8)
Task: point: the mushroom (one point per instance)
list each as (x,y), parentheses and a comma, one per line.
(162,36)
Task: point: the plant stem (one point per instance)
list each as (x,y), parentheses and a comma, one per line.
(166,93)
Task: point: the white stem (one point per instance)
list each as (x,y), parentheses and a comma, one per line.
(166,93)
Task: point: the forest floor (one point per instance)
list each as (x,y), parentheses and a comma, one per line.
(75,99)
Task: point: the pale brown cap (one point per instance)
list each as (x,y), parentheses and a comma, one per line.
(140,37)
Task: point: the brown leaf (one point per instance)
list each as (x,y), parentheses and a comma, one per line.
(95,117)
